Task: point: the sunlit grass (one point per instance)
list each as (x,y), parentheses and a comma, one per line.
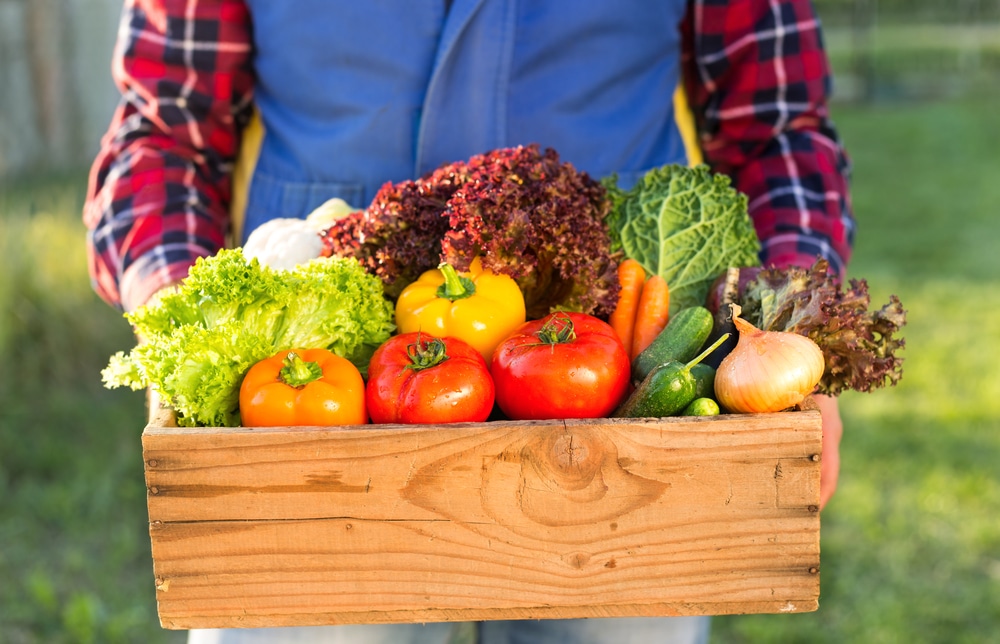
(911,541)
(75,559)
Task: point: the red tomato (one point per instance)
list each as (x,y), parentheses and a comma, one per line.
(565,365)
(415,378)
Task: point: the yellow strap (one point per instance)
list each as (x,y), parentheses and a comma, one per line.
(246,160)
(685,123)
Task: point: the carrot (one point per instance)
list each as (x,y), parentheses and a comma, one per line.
(631,275)
(653,313)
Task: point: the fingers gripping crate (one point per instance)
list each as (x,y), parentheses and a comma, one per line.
(552,519)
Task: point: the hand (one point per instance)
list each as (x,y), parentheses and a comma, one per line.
(153,300)
(833,428)
(154,405)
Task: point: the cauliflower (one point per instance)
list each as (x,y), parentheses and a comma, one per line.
(287,242)
(332,210)
(284,243)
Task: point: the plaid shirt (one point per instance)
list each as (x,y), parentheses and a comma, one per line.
(755,73)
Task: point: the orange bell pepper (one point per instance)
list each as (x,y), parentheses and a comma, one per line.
(303,387)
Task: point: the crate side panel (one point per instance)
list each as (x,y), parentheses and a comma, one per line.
(485,522)
(215,571)
(411,473)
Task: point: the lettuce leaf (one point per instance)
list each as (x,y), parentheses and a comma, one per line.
(229,313)
(524,212)
(531,216)
(860,344)
(685,224)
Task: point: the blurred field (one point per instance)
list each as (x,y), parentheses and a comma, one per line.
(75,560)
(911,543)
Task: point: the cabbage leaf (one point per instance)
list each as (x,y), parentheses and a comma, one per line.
(686,224)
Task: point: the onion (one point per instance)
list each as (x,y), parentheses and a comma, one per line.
(768,370)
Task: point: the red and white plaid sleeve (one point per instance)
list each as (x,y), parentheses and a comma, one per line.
(159,189)
(758,80)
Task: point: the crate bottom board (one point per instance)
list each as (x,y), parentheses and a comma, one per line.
(553,519)
(431,615)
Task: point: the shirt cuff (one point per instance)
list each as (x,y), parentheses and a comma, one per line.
(795,250)
(146,276)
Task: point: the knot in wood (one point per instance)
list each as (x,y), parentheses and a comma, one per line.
(576,559)
(569,461)
(571,452)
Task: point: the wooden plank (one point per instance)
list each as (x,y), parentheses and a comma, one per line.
(484,521)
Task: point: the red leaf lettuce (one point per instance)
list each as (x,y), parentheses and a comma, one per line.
(859,345)
(522,210)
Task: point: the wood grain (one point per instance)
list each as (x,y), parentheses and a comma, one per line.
(296,526)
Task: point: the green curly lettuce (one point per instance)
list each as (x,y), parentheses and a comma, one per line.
(199,341)
(685,224)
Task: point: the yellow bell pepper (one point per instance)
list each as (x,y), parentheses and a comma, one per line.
(480,307)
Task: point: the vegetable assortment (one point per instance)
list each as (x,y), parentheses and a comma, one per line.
(508,286)
(860,344)
(522,211)
(686,225)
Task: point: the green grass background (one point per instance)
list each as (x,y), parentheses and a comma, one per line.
(910,544)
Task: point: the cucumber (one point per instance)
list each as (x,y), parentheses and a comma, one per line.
(704,380)
(701,407)
(666,390)
(680,340)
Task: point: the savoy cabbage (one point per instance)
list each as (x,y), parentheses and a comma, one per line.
(686,224)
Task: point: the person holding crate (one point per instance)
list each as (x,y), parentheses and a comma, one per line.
(332,99)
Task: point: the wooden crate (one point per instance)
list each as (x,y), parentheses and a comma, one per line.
(555,519)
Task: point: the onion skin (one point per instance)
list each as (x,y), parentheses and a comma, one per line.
(768,371)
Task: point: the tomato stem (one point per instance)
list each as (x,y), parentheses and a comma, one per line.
(297,372)
(558,329)
(455,286)
(426,354)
